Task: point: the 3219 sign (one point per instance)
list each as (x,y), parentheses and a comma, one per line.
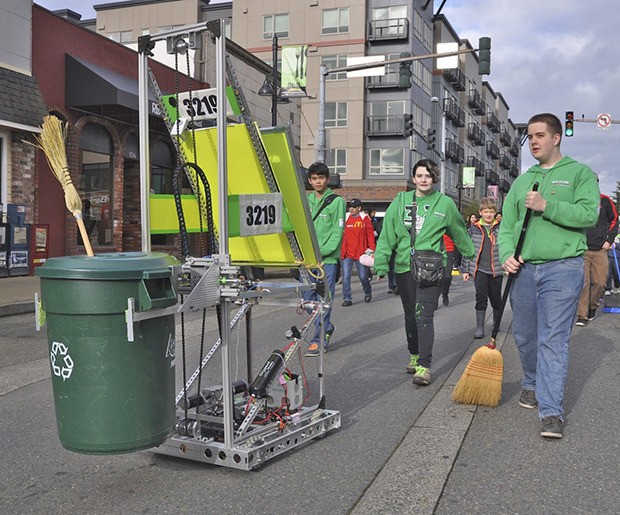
(260,214)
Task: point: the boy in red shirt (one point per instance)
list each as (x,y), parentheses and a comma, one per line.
(358,238)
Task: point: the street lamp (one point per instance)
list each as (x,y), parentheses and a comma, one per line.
(270,87)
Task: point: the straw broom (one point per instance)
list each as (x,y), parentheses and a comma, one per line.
(52,142)
(481,382)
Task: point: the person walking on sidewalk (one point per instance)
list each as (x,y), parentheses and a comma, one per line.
(486,267)
(599,239)
(358,239)
(549,271)
(328,211)
(613,279)
(436,215)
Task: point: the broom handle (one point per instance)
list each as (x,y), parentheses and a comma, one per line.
(526,222)
(85,239)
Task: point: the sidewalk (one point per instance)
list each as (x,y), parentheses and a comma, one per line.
(17,294)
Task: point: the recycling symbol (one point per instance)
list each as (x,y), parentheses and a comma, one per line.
(62,364)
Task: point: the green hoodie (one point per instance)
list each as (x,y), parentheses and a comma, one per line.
(571,191)
(329,225)
(437,215)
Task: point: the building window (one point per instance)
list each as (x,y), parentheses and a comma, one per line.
(422,30)
(335,21)
(335,61)
(97,197)
(387,161)
(275,24)
(96,183)
(335,114)
(336,160)
(124,36)
(394,108)
(387,16)
(422,76)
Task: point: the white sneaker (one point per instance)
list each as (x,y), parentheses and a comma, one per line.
(607,292)
(615,290)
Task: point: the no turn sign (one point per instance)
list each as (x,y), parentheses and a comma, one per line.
(603,121)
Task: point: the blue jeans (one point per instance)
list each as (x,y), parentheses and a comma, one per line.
(544,303)
(312,295)
(362,272)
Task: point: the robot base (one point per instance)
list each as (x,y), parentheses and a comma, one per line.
(258,446)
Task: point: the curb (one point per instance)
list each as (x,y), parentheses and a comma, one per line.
(18,308)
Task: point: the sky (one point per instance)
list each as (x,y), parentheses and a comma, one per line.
(553,56)
(546,56)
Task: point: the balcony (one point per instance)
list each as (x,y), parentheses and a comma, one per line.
(386,125)
(456,78)
(505,162)
(493,122)
(504,185)
(454,151)
(460,120)
(492,176)
(474,100)
(514,171)
(493,149)
(385,30)
(475,134)
(514,149)
(505,138)
(389,80)
(451,109)
(474,162)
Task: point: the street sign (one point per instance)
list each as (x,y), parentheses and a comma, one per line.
(603,121)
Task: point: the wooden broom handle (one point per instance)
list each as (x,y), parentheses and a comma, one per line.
(526,222)
(85,239)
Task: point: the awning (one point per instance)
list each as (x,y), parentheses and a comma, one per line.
(90,87)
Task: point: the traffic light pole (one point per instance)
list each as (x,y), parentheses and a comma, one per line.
(324,72)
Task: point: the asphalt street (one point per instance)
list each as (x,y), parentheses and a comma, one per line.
(400,449)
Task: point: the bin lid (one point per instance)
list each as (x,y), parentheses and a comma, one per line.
(113,266)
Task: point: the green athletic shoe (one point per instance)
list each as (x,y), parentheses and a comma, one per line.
(413,363)
(422,376)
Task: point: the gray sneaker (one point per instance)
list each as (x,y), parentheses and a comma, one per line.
(528,399)
(552,427)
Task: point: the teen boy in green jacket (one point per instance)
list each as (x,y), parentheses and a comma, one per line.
(328,212)
(436,215)
(549,271)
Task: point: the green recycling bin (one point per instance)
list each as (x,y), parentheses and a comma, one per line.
(111,395)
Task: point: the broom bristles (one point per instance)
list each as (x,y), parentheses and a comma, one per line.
(481,382)
(52,141)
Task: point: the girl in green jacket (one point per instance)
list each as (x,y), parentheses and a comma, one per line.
(436,214)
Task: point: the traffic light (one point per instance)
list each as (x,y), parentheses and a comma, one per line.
(407,125)
(430,139)
(404,72)
(484,56)
(569,123)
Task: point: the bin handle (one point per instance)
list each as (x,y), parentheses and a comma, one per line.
(155,274)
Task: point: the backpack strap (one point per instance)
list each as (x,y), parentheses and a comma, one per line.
(326,202)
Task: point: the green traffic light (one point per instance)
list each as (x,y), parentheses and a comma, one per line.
(568,132)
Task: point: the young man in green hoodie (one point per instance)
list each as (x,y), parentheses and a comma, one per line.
(550,267)
(436,214)
(328,212)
